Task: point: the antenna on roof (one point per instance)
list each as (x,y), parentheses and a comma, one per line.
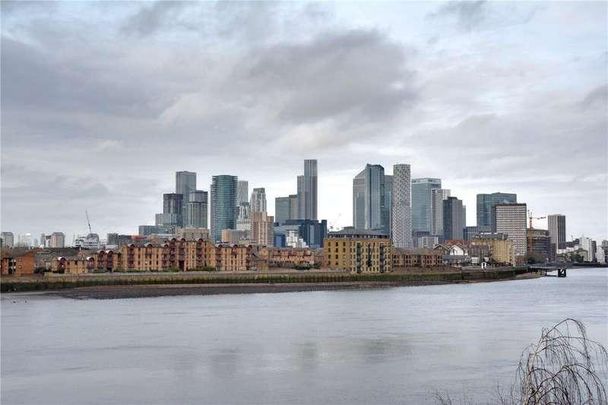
(88,222)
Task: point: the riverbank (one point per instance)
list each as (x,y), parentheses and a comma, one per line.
(134,285)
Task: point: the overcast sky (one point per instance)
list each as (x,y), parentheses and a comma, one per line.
(103,102)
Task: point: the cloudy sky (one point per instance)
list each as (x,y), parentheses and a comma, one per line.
(103,102)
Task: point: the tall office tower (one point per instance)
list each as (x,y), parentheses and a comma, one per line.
(388,202)
(511,220)
(198,201)
(369,200)
(172,209)
(242,192)
(243,217)
(307,191)
(258,200)
(557,231)
(185,183)
(437,197)
(293,206)
(401,207)
(44,240)
(112,239)
(485,204)
(282,209)
(421,203)
(262,229)
(8,239)
(454,219)
(57,240)
(223,204)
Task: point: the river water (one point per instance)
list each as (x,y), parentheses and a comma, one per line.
(380,346)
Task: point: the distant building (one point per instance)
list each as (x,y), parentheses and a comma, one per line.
(172,209)
(185,183)
(421,203)
(197,209)
(243,219)
(485,205)
(223,204)
(112,239)
(282,209)
(404,258)
(358,251)
(470,232)
(258,200)
(369,200)
(307,191)
(454,219)
(313,232)
(235,237)
(427,242)
(192,233)
(587,245)
(401,217)
(538,244)
(57,240)
(557,231)
(262,229)
(91,241)
(500,247)
(242,193)
(8,239)
(510,219)
(438,195)
(388,201)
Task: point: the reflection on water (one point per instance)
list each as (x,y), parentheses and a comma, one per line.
(394,345)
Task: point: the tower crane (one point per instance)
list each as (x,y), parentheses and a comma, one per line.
(88,222)
(531,218)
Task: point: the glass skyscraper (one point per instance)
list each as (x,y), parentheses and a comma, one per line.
(422,203)
(185,183)
(307,191)
(369,199)
(485,208)
(223,204)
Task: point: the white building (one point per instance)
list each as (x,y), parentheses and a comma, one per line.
(437,197)
(401,207)
(510,219)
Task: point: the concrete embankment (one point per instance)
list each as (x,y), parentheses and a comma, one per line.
(154,284)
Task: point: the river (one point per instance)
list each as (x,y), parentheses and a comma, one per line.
(379,346)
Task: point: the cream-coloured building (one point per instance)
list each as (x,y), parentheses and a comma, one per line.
(359,251)
(500,247)
(262,230)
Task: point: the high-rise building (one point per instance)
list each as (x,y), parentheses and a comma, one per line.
(454,219)
(262,229)
(588,245)
(485,204)
(510,219)
(198,201)
(57,240)
(369,200)
(313,232)
(421,203)
(258,200)
(557,231)
(172,209)
(437,197)
(307,191)
(401,216)
(223,204)
(8,239)
(293,206)
(388,201)
(185,183)
(539,244)
(242,192)
(112,239)
(282,209)
(243,219)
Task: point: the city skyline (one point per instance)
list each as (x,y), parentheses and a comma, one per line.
(527,116)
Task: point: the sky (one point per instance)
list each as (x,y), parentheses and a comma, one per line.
(103,102)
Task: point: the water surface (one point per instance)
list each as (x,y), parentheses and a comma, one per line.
(395,345)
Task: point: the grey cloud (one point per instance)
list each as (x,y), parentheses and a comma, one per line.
(596,97)
(356,74)
(151,18)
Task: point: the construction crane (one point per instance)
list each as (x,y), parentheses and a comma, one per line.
(531,218)
(88,222)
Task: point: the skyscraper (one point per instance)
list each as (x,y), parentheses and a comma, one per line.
(388,202)
(223,204)
(437,197)
(485,204)
(369,199)
(557,231)
(242,192)
(8,239)
(307,191)
(172,209)
(185,183)
(511,220)
(258,200)
(401,208)
(57,240)
(262,229)
(454,219)
(421,203)
(197,209)
(282,209)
